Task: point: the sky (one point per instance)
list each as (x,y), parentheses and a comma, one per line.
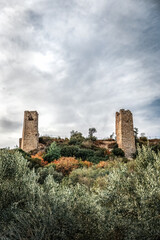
(77,62)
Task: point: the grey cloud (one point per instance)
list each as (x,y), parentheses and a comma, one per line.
(7,125)
(153,110)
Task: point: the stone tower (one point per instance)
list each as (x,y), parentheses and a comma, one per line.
(30,135)
(125,133)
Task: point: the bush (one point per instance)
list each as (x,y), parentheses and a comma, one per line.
(156,148)
(53,153)
(69,151)
(39,159)
(32,211)
(84,153)
(24,154)
(91,203)
(102,164)
(17,189)
(96,159)
(44,172)
(76,138)
(85,164)
(118,152)
(73,151)
(86,176)
(65,165)
(132,199)
(101,153)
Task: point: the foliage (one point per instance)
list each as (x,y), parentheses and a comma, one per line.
(142,141)
(156,148)
(87,177)
(66,164)
(96,159)
(91,131)
(44,172)
(39,157)
(84,154)
(85,164)
(136,135)
(69,151)
(24,154)
(87,144)
(76,138)
(53,153)
(33,211)
(133,199)
(101,152)
(102,164)
(118,152)
(119,201)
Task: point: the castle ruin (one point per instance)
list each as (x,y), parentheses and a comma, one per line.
(125,132)
(30,135)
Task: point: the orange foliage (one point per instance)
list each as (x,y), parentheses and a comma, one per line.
(39,156)
(86,164)
(66,164)
(108,152)
(102,164)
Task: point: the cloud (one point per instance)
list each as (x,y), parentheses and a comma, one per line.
(77,63)
(8,125)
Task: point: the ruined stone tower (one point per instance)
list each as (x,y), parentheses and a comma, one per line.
(125,133)
(30,136)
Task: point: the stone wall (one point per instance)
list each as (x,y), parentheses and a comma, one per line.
(30,135)
(125,132)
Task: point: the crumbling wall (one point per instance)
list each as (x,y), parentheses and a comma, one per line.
(30,135)
(125,132)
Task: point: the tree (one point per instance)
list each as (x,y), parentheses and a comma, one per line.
(136,135)
(111,136)
(75,134)
(91,131)
(76,138)
(136,132)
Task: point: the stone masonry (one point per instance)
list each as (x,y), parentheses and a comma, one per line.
(125,133)
(30,135)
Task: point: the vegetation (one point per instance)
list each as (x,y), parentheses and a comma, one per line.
(113,199)
(53,152)
(75,190)
(91,131)
(118,152)
(76,138)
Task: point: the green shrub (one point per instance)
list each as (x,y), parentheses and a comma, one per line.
(96,159)
(100,153)
(53,153)
(87,177)
(84,153)
(73,151)
(45,171)
(76,138)
(24,154)
(118,152)
(143,139)
(34,163)
(132,199)
(69,151)
(18,187)
(156,148)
